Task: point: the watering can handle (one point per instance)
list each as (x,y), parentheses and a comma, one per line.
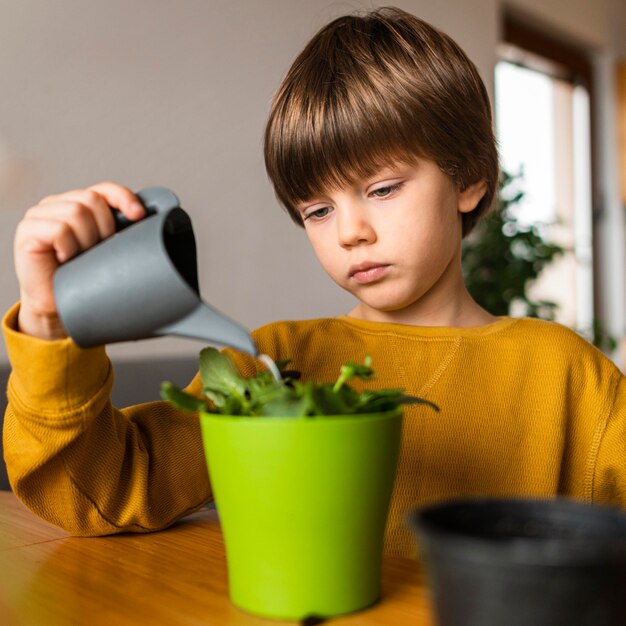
(154,199)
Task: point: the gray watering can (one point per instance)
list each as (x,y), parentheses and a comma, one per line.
(142,282)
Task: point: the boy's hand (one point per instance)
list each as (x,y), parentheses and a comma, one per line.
(54,231)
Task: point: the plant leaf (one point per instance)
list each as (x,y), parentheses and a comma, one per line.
(218,373)
(415,400)
(286,405)
(330,402)
(218,399)
(261,395)
(351,370)
(181,399)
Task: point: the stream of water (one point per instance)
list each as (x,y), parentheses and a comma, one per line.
(271,366)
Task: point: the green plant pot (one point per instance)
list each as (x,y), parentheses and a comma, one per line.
(303,504)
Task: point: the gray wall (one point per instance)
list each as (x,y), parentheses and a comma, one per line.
(176,94)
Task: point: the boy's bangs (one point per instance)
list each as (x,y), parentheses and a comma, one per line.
(347,147)
(335,138)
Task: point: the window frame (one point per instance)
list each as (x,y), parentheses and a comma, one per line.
(575,65)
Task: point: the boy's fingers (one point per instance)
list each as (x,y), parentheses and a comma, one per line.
(100,199)
(120,197)
(80,219)
(65,242)
(114,196)
(41,235)
(94,202)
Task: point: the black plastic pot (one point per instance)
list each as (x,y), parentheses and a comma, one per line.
(494,562)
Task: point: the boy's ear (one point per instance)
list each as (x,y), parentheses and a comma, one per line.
(471,196)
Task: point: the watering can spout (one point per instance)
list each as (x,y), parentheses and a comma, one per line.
(206,323)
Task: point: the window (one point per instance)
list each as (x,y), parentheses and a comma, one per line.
(542,110)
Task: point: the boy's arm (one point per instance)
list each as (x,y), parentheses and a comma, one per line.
(608,454)
(80,463)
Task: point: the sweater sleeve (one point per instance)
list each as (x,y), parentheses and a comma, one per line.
(83,465)
(609,470)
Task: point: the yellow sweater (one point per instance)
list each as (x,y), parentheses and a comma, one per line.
(527,408)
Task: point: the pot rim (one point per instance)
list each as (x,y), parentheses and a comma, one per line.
(352,417)
(467,544)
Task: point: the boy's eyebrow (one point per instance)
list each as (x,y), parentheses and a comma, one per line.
(386,175)
(319,198)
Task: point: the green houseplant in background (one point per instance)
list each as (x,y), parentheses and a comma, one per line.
(302,475)
(502,258)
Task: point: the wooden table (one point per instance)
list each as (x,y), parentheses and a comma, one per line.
(176,576)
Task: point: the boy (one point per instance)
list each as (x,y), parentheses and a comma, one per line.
(379,142)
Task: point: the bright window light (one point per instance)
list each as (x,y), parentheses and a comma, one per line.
(542,124)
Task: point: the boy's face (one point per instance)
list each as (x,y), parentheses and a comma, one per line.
(394,241)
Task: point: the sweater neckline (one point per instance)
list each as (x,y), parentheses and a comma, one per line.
(500,324)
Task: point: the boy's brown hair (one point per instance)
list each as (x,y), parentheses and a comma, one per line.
(372,88)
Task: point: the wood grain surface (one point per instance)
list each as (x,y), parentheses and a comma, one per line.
(176,576)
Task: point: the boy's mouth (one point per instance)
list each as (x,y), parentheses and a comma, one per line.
(367,272)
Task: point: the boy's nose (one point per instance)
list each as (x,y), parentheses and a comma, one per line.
(354,227)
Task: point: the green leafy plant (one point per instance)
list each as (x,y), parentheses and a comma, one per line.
(228,393)
(502,257)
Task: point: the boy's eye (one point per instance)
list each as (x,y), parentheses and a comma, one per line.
(387,190)
(318,213)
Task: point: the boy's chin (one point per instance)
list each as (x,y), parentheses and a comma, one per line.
(386,298)
(371,307)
